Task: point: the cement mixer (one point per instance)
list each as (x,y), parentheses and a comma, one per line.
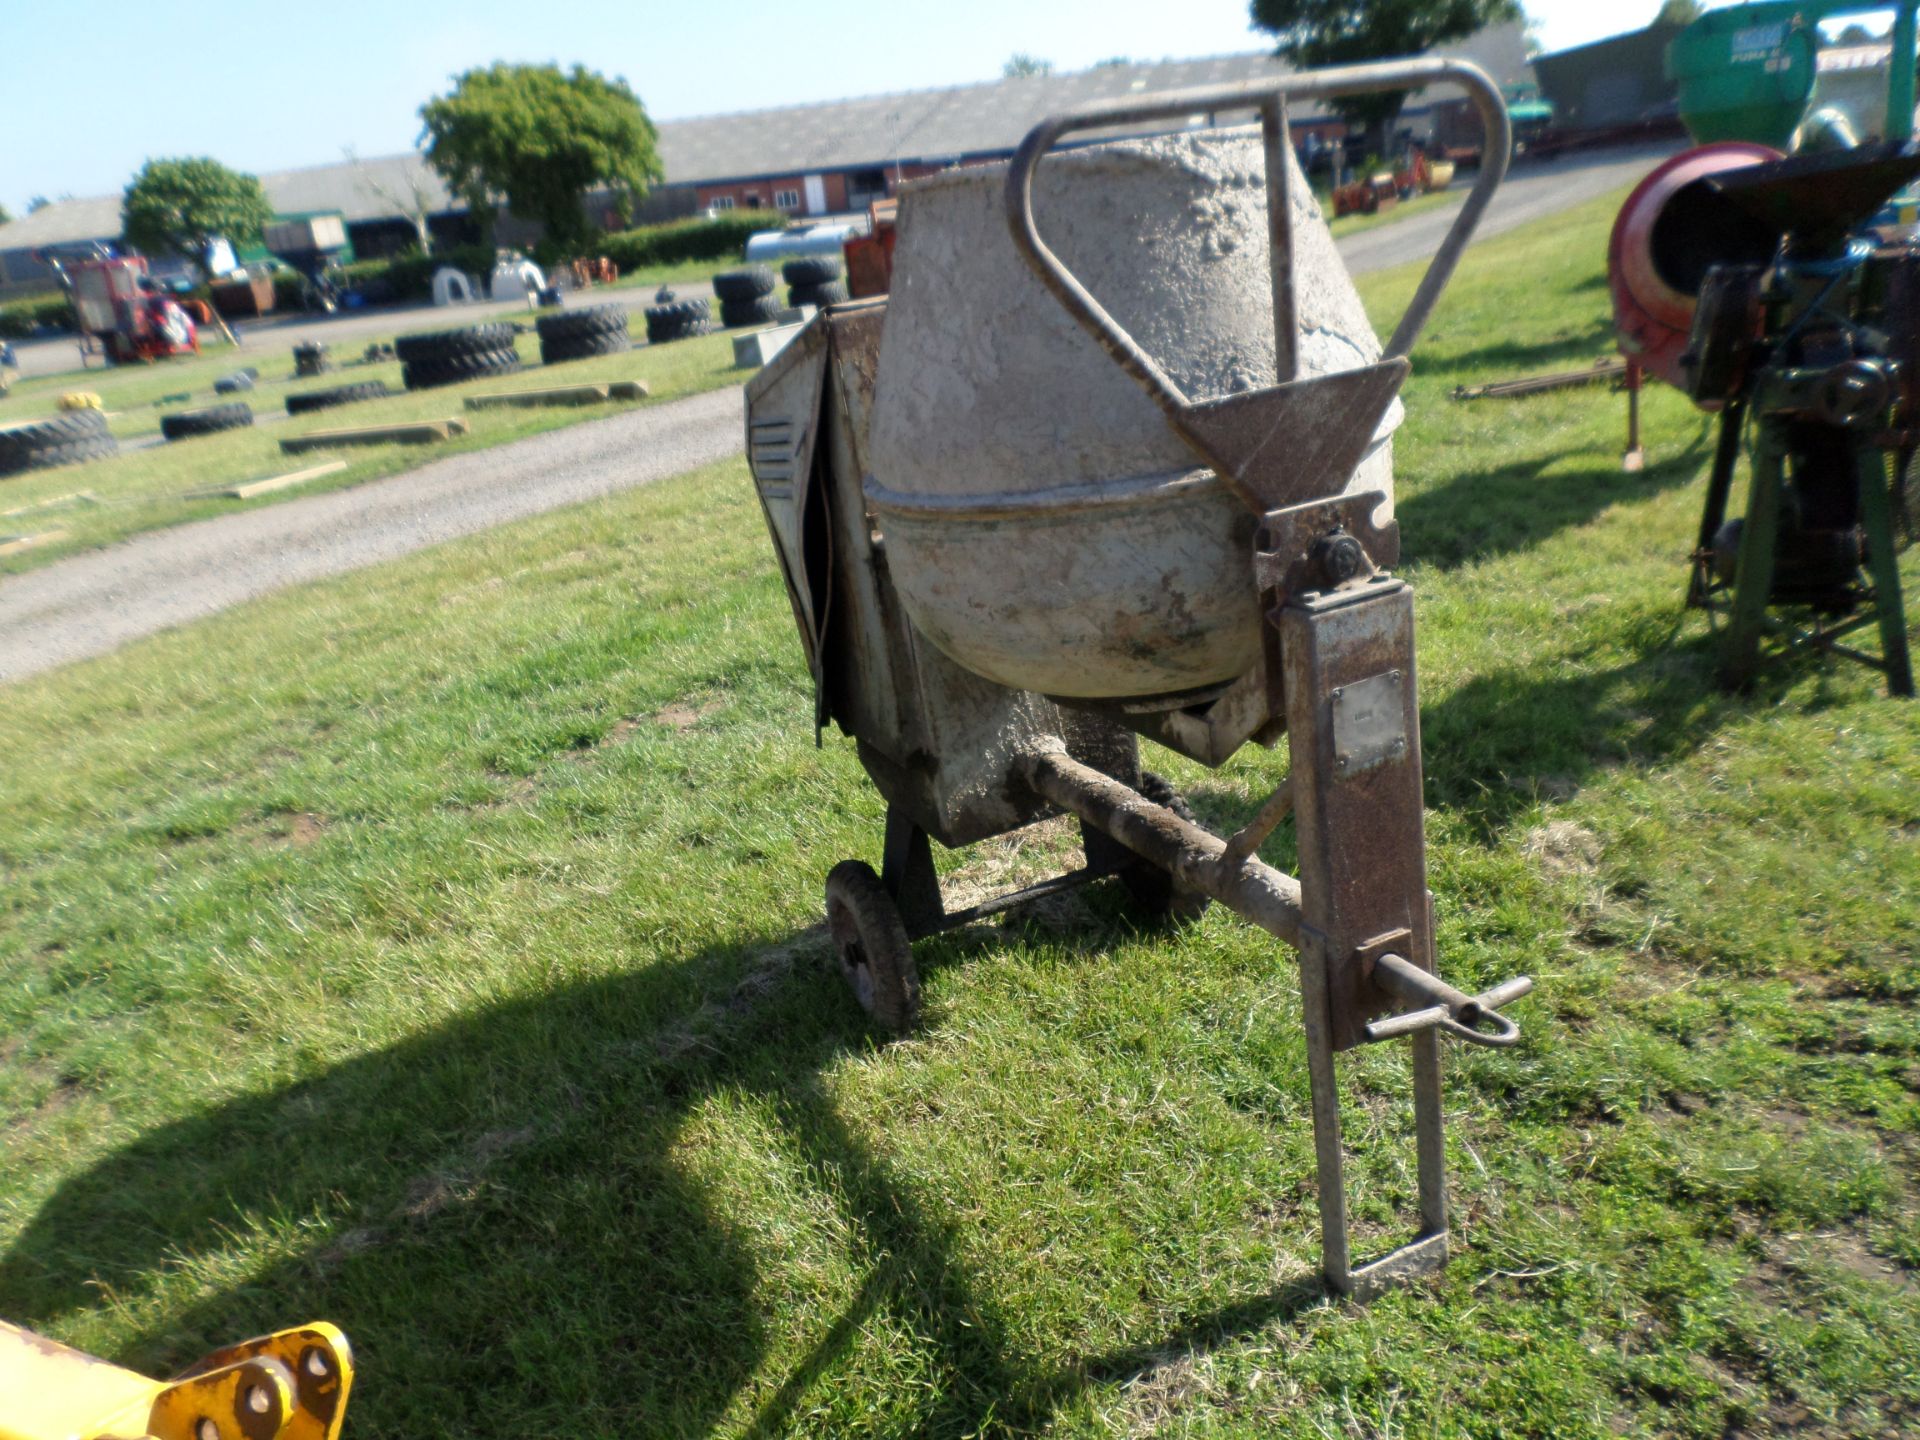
(1114,460)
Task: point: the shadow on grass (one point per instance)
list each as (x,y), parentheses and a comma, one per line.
(1482,513)
(1493,362)
(521,1236)
(1507,738)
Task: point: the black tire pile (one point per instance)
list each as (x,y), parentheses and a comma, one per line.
(814,280)
(211,421)
(676,320)
(746,296)
(63,440)
(447,357)
(338,395)
(582,334)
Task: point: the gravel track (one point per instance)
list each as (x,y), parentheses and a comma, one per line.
(96,602)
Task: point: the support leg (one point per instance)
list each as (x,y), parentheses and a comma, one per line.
(1876,517)
(906,870)
(1635,458)
(1336,1261)
(1753,573)
(1714,514)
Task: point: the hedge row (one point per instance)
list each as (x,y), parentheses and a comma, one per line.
(18,317)
(722,238)
(410,276)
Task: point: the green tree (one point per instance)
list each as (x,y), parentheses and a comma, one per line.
(1349,32)
(1678,12)
(6,216)
(539,139)
(38,202)
(178,206)
(1020,66)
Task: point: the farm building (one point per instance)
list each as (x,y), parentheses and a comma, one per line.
(798,160)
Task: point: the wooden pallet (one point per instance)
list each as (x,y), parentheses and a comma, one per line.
(251,488)
(418,432)
(594,393)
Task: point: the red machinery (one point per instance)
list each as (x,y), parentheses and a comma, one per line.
(1672,227)
(870,256)
(116,305)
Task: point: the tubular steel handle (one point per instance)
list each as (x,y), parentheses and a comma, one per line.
(1269,97)
(1444,1007)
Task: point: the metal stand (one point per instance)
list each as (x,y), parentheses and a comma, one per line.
(1744,601)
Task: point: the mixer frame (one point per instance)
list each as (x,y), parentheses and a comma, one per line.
(959,758)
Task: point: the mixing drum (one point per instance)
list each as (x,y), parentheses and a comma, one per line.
(1045,526)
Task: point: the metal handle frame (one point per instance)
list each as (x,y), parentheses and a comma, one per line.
(1269,98)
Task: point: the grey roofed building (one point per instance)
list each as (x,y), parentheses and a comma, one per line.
(919,127)
(932,126)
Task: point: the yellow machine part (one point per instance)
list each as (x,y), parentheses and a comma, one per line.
(291,1385)
(80,400)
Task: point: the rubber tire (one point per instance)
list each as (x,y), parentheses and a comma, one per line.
(440,347)
(676,320)
(760,311)
(1156,896)
(810,270)
(426,375)
(570,327)
(56,441)
(827,292)
(338,395)
(871,947)
(662,332)
(748,284)
(584,347)
(234,415)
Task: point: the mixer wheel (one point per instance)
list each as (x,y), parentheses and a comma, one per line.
(1153,891)
(870,942)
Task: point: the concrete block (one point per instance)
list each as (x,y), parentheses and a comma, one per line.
(750,352)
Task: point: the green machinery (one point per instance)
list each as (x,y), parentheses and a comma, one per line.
(1813,357)
(1746,72)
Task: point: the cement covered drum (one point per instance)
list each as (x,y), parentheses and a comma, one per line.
(1043,524)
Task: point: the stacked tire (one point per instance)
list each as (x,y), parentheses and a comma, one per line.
(582,334)
(338,395)
(211,421)
(447,357)
(677,320)
(746,296)
(65,439)
(814,280)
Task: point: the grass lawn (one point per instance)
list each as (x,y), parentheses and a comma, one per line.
(146,489)
(435,951)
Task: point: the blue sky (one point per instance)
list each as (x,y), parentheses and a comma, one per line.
(91,90)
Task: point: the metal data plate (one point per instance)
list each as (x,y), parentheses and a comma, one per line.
(1369,722)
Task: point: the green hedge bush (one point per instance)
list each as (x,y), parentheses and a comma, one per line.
(722,238)
(18,317)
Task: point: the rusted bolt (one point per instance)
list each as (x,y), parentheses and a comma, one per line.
(1339,558)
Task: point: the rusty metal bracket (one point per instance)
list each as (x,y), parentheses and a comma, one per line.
(1284,559)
